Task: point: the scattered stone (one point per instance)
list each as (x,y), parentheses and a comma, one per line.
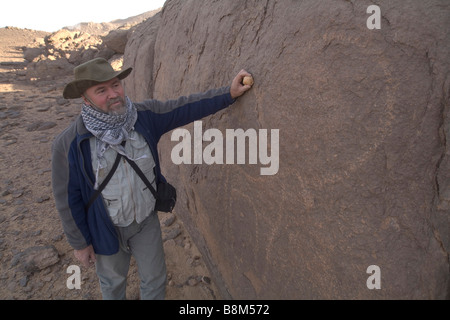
(192,281)
(21,210)
(23,281)
(43,108)
(48,278)
(58,237)
(36,233)
(9,139)
(42,171)
(42,199)
(18,217)
(17,193)
(13,114)
(41,125)
(169,243)
(171,234)
(10,142)
(62,101)
(11,286)
(36,258)
(168,220)
(206,279)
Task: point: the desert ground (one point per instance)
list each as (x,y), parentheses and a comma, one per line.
(34,253)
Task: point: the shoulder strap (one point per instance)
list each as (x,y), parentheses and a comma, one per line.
(142,176)
(105,182)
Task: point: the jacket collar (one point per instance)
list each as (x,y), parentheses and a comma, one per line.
(82,132)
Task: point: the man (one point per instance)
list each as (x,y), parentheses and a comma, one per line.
(122,221)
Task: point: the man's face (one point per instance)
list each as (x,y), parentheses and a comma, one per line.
(108,96)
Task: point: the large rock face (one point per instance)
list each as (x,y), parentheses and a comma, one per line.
(363,122)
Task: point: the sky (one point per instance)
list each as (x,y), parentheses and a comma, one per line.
(52,15)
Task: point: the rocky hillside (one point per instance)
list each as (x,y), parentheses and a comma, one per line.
(57,54)
(104,28)
(54,55)
(362,115)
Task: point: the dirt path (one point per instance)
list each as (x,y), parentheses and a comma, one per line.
(31,115)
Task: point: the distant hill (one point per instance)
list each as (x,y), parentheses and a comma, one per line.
(104,28)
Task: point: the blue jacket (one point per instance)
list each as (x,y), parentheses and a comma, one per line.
(73,175)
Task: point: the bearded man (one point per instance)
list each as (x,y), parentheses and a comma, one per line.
(121,221)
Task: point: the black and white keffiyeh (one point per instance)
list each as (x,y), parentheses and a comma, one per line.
(109,129)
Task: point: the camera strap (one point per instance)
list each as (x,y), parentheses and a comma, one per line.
(142,176)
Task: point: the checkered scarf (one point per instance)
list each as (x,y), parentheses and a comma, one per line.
(110,130)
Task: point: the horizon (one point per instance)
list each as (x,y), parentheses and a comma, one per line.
(51,16)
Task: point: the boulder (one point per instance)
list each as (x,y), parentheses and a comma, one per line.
(116,40)
(60,36)
(363,122)
(49,69)
(36,258)
(116,61)
(30,54)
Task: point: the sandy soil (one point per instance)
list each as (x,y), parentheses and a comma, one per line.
(31,115)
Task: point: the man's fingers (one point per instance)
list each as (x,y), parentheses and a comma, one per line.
(92,258)
(237,87)
(86,256)
(242,74)
(86,264)
(84,261)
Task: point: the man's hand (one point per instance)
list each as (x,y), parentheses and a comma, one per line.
(237,87)
(86,256)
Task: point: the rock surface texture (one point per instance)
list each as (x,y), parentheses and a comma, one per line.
(363,118)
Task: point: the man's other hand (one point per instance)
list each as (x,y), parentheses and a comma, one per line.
(86,256)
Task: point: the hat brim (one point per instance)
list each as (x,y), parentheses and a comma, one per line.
(76,88)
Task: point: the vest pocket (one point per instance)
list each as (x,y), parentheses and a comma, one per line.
(114,206)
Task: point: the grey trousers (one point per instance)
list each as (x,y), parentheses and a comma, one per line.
(143,242)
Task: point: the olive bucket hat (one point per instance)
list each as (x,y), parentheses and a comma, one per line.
(90,74)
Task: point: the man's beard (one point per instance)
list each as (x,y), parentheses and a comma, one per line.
(119,109)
